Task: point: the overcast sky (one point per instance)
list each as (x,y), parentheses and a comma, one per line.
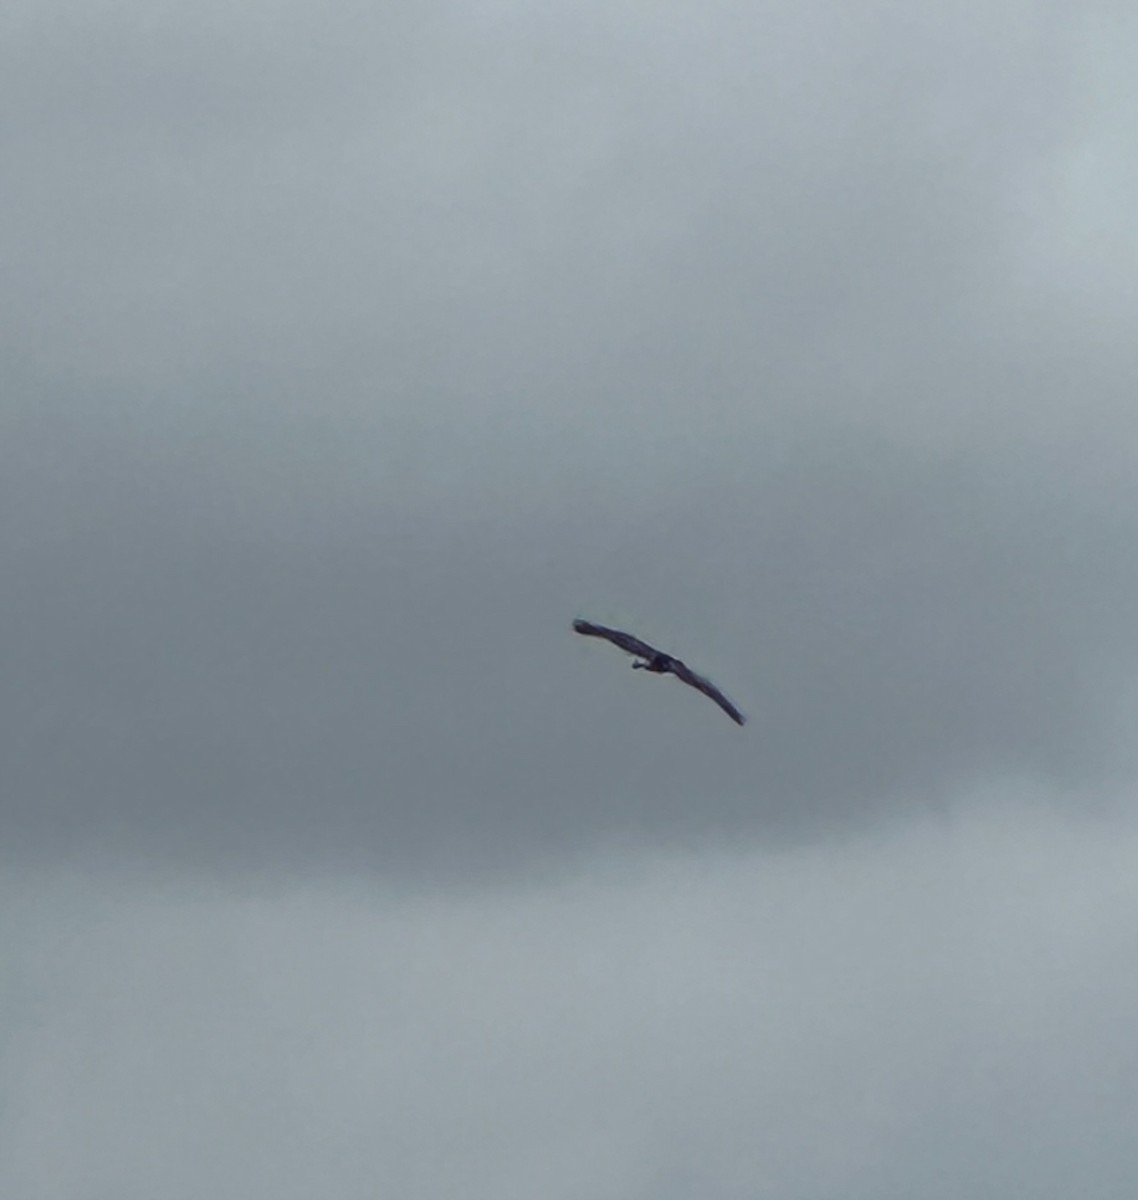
(347,354)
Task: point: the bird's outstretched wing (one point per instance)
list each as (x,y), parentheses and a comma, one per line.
(625,641)
(683,672)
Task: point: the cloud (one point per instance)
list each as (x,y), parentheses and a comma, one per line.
(944,1008)
(353,354)
(410,694)
(348,354)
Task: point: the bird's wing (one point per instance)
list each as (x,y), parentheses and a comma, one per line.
(624,640)
(683,672)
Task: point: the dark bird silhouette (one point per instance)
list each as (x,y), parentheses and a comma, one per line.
(659,663)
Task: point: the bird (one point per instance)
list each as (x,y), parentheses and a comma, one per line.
(659,663)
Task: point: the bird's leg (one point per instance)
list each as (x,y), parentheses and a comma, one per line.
(636,666)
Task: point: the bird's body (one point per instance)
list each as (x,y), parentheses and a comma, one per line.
(658,663)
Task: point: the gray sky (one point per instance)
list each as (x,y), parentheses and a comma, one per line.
(349,354)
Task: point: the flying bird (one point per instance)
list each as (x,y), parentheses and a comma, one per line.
(659,663)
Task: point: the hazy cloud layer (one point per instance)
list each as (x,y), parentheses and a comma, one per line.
(945,1011)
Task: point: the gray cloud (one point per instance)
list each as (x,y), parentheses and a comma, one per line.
(895,626)
(939,1011)
(346,354)
(353,356)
